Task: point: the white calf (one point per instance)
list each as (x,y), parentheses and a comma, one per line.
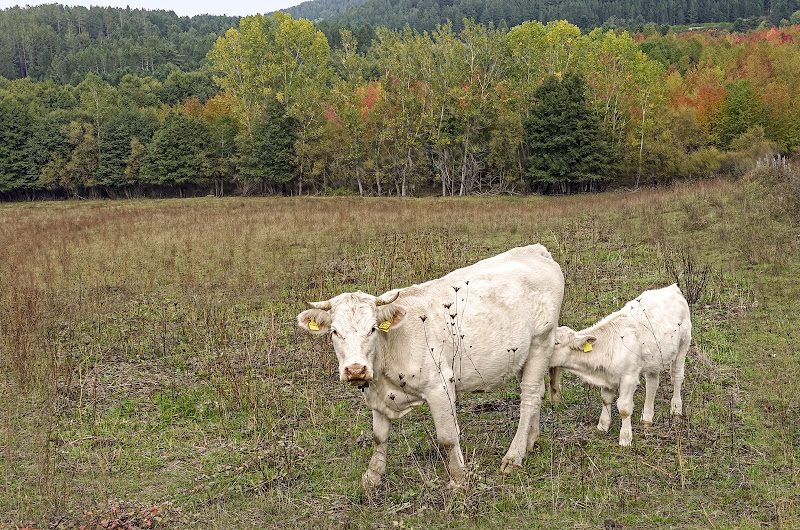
(646,336)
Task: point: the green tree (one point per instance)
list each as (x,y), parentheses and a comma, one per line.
(181,85)
(15,124)
(471,106)
(568,148)
(97,98)
(177,153)
(273,58)
(75,171)
(223,130)
(48,140)
(340,150)
(408,105)
(267,155)
(742,110)
(269,57)
(526,45)
(137,92)
(134,163)
(115,144)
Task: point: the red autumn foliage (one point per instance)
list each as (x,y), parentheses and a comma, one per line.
(369,95)
(192,107)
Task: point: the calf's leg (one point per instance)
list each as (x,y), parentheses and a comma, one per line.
(625,406)
(555,385)
(651,381)
(607,397)
(676,406)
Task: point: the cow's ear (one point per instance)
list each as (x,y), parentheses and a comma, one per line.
(390,316)
(315,321)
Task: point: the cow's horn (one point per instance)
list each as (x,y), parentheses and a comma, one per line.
(325,306)
(387,298)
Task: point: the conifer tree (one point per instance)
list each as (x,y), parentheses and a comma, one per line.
(267,154)
(115,144)
(568,148)
(14,132)
(176,155)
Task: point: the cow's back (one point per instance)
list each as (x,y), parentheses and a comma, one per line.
(480,320)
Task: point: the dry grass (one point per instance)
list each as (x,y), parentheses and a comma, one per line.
(150,360)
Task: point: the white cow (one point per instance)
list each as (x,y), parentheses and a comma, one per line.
(646,336)
(471,330)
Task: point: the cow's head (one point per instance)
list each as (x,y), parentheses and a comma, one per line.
(355,322)
(569,342)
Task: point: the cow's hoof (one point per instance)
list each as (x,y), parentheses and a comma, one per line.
(509,466)
(457,486)
(370,481)
(647,424)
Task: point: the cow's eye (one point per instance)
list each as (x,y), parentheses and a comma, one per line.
(334,333)
(373,330)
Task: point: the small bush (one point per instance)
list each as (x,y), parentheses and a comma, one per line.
(747,152)
(690,276)
(781,179)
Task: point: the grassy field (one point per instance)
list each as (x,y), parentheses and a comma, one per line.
(152,374)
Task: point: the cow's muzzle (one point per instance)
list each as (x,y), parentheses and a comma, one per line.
(356,374)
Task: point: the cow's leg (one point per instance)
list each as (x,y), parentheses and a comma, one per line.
(625,406)
(534,429)
(531,391)
(443,410)
(676,407)
(607,397)
(651,381)
(381,425)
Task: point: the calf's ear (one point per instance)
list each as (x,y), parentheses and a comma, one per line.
(315,321)
(390,316)
(583,342)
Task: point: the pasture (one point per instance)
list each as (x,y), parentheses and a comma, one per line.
(153,374)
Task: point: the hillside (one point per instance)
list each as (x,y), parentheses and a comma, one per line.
(63,43)
(424,15)
(321,9)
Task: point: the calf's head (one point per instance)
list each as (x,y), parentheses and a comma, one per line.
(355,323)
(570,342)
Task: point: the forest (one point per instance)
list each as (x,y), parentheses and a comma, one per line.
(62,43)
(273,107)
(424,15)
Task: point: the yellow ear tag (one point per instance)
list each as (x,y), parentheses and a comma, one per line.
(384,326)
(587,347)
(312,325)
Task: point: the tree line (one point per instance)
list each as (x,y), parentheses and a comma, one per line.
(63,44)
(538,107)
(425,15)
